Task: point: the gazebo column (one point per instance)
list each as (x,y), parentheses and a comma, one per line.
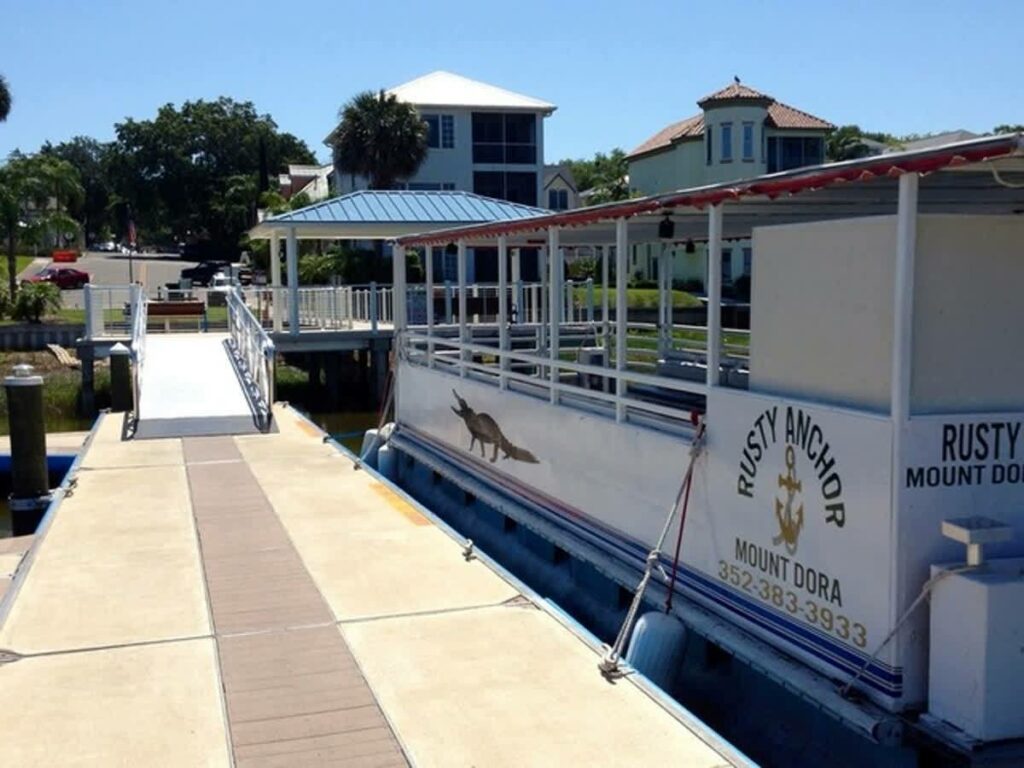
(555,311)
(292,257)
(429,270)
(275,280)
(460,267)
(503,308)
(542,329)
(621,312)
(714,286)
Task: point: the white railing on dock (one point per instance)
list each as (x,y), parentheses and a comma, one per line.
(138,305)
(107,310)
(254,353)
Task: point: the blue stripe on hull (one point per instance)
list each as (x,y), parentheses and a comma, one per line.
(693,583)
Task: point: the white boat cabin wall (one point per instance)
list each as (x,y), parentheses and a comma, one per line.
(885,396)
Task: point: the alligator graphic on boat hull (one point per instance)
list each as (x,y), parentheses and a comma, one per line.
(485,430)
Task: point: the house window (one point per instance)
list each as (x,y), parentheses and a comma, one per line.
(558,199)
(726,142)
(447,131)
(504,138)
(707,135)
(514,187)
(748,142)
(788,152)
(748,257)
(726,266)
(433,130)
(440,131)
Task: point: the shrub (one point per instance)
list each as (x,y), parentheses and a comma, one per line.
(690,284)
(34,300)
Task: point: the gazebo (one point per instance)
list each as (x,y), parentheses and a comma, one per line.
(372,215)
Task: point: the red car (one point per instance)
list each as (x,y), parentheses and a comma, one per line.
(62,277)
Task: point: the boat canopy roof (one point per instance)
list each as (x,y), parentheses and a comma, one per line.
(864,187)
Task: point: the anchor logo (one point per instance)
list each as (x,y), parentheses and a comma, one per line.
(790,522)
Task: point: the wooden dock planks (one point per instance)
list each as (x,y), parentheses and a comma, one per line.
(294,693)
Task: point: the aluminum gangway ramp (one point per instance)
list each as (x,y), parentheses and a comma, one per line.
(191,387)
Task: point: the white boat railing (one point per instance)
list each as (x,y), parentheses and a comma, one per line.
(565,376)
(139,309)
(254,353)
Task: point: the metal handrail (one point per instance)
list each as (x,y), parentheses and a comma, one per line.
(139,302)
(254,353)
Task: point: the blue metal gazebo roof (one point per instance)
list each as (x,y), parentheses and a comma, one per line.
(391,213)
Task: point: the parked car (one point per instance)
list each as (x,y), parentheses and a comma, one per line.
(202,274)
(108,247)
(62,277)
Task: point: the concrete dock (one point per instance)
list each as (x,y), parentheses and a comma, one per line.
(257,601)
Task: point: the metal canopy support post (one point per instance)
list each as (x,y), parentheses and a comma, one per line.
(542,330)
(555,304)
(519,310)
(398,295)
(428,265)
(292,256)
(621,269)
(275,281)
(714,340)
(503,308)
(903,299)
(604,306)
(463,327)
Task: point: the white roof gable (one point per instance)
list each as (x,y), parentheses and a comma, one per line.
(449,90)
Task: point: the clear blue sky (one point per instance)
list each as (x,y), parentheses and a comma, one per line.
(618,71)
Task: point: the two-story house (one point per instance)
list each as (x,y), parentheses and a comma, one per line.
(481,139)
(739,133)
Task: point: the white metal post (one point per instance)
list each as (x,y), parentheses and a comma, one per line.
(554,302)
(604,306)
(460,268)
(903,299)
(275,281)
(517,282)
(292,256)
(621,312)
(714,334)
(503,309)
(429,269)
(399,293)
(545,284)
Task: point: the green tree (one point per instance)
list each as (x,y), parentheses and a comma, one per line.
(5,99)
(35,192)
(91,158)
(381,138)
(606,177)
(1008,128)
(193,172)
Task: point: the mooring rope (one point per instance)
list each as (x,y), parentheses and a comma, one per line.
(609,664)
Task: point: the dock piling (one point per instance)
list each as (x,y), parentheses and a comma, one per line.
(30,483)
(120,379)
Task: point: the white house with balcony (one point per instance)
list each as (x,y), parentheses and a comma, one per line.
(481,139)
(739,133)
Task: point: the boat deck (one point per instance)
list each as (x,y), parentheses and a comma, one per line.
(255,600)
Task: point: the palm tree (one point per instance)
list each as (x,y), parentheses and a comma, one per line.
(5,99)
(381,138)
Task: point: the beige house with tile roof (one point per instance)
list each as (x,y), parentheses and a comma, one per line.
(738,134)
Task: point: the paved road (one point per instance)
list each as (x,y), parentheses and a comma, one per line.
(152,270)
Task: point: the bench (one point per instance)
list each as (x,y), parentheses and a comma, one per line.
(169,310)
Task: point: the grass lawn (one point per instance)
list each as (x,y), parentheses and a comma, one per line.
(21,260)
(639,298)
